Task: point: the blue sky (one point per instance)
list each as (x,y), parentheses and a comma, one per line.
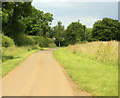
(86,12)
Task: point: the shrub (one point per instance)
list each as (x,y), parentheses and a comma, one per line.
(52,45)
(50,40)
(24,41)
(41,41)
(7,41)
(35,47)
(44,42)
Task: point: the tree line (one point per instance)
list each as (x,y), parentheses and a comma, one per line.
(21,19)
(103,30)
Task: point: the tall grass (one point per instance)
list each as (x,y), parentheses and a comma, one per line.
(93,66)
(13,52)
(106,52)
(12,56)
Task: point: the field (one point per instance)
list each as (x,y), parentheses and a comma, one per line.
(93,66)
(12,56)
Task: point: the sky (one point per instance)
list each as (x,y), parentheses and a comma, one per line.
(71,11)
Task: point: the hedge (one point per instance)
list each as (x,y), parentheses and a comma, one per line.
(7,41)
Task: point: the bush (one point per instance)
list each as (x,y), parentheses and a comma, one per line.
(24,41)
(44,42)
(52,45)
(50,40)
(7,41)
(35,47)
(41,41)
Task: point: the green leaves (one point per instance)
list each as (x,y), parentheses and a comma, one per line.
(75,32)
(13,15)
(38,23)
(106,29)
(7,41)
(58,33)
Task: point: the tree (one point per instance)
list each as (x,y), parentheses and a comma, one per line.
(58,31)
(106,29)
(75,32)
(38,23)
(33,22)
(21,18)
(12,19)
(45,24)
(13,14)
(89,34)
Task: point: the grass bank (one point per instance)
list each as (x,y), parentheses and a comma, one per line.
(106,52)
(92,75)
(13,56)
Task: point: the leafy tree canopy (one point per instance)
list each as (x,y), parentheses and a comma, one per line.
(58,33)
(75,32)
(106,29)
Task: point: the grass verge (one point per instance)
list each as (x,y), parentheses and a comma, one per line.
(91,75)
(13,56)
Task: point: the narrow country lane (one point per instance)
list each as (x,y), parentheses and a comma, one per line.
(39,75)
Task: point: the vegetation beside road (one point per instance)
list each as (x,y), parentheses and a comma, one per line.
(106,52)
(25,31)
(92,74)
(93,66)
(13,56)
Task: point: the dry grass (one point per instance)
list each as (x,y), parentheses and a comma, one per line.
(12,56)
(104,51)
(13,52)
(93,66)
(93,76)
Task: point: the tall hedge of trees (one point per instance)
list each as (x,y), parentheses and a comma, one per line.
(58,34)
(20,19)
(103,30)
(74,33)
(106,29)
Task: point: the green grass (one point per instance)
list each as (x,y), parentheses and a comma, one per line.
(90,74)
(106,52)
(13,56)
